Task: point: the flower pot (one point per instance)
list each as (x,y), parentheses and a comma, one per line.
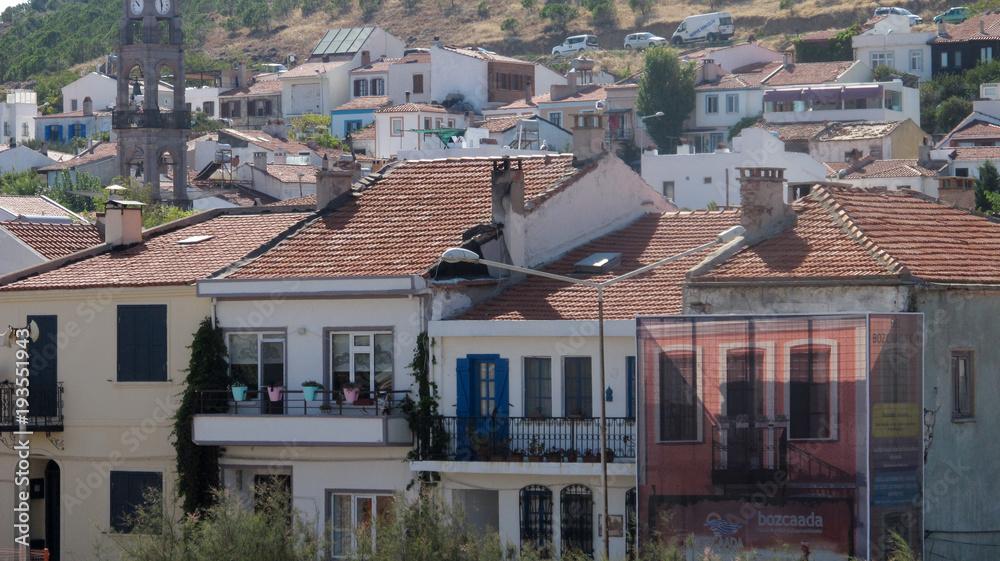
(274,394)
(351,395)
(534,458)
(591,459)
(309,392)
(239,393)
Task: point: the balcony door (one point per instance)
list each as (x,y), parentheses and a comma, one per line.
(483,403)
(258,360)
(744,395)
(42,372)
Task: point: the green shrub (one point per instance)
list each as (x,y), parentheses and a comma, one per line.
(509,25)
(483,10)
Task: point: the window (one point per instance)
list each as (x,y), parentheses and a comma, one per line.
(209,108)
(958,59)
(142,343)
(131,490)
(708,180)
(362,357)
(6,128)
(944,60)
(74,105)
(377,86)
(418,83)
(360,87)
(809,392)
(962,377)
(668,190)
(576,503)
(555,117)
(711,104)
(451,123)
(396,124)
(577,386)
(351,126)
(916,61)
(732,103)
(43,357)
(883,59)
(538,386)
(348,512)
(678,396)
(258,360)
(24,129)
(234,110)
(630,386)
(536,518)
(986,54)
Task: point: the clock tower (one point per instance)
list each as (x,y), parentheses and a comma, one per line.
(151,117)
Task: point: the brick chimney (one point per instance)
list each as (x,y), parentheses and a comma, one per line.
(366,58)
(764,212)
(88,107)
(588,136)
(122,222)
(507,188)
(333,180)
(957,191)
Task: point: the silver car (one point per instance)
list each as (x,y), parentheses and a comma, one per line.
(643,40)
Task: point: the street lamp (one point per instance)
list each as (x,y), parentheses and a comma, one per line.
(657,114)
(462,255)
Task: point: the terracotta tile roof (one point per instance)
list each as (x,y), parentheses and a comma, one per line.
(977,129)
(819,36)
(887,168)
(78,113)
(792,131)
(30,205)
(380,65)
(308,200)
(365,102)
(977,153)
(523,103)
(412,108)
(968,30)
(856,130)
(367,133)
(268,142)
(54,240)
(312,69)
(161,261)
(766,68)
(651,238)
(735,81)
(485,55)
(499,124)
(243,196)
(851,233)
(590,93)
(260,87)
(403,221)
(99,152)
(809,73)
(290,174)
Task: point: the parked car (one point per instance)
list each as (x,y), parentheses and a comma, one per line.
(887,10)
(705,27)
(643,40)
(957,14)
(576,44)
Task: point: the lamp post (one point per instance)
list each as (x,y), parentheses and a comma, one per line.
(461,255)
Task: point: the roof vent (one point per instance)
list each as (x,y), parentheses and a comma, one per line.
(194,239)
(598,263)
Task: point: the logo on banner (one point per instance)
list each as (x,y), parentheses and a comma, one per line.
(720,527)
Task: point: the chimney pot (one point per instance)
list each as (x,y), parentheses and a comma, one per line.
(507,188)
(260,160)
(366,58)
(588,135)
(333,181)
(528,92)
(764,211)
(122,224)
(88,106)
(407,94)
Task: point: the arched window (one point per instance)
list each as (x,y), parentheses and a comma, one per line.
(536,518)
(577,504)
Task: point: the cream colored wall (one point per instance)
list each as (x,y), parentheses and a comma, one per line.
(109,425)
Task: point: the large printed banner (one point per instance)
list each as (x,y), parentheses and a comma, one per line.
(816,529)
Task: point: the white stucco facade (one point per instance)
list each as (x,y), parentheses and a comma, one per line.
(100,88)
(892,43)
(401,80)
(18,116)
(895,102)
(456,73)
(21,158)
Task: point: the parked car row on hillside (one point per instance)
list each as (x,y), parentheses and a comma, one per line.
(716,26)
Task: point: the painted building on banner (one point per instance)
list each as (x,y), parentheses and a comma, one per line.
(786,436)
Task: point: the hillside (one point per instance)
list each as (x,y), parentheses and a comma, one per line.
(69,32)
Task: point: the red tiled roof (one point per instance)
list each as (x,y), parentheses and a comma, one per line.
(977,129)
(851,233)
(404,221)
(412,108)
(307,200)
(968,30)
(499,124)
(101,151)
(651,238)
(523,103)
(243,196)
(77,113)
(734,81)
(367,133)
(792,131)
(260,87)
(819,36)
(887,168)
(30,205)
(809,73)
(857,130)
(312,69)
(365,102)
(291,174)
(161,261)
(977,153)
(54,240)
(268,142)
(589,93)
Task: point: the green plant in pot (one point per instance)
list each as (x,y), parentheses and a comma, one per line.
(351,391)
(309,389)
(239,390)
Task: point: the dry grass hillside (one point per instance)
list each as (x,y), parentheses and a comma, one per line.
(773,22)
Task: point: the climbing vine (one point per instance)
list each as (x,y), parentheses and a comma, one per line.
(422,415)
(198,466)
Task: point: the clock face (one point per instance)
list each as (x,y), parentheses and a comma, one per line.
(136,6)
(162,6)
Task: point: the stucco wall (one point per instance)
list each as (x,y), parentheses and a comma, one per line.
(453,73)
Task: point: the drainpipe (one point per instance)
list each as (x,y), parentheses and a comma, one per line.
(213,312)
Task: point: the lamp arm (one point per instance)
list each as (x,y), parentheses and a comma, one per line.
(534,272)
(651,266)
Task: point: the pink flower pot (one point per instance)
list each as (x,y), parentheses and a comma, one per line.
(350,396)
(275,393)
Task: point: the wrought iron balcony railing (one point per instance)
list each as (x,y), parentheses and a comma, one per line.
(45,408)
(293,402)
(150,119)
(560,439)
(748,449)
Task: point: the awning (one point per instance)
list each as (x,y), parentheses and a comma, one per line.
(782,95)
(868,91)
(822,94)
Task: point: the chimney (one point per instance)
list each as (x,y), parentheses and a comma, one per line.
(469,119)
(588,136)
(88,107)
(260,160)
(528,92)
(280,157)
(437,42)
(923,154)
(788,58)
(982,28)
(764,212)
(942,29)
(407,94)
(326,58)
(507,188)
(241,78)
(957,191)
(366,58)
(335,181)
(711,71)
(122,222)
(44,150)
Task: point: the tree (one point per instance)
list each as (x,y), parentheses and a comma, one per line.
(309,125)
(951,112)
(603,12)
(369,8)
(839,47)
(559,15)
(743,123)
(509,25)
(642,7)
(667,86)
(988,184)
(198,466)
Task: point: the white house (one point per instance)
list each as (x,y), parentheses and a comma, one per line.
(100,88)
(733,57)
(18,116)
(204,99)
(82,123)
(891,42)
(21,158)
(99,160)
(842,101)
(394,126)
(723,99)
(414,76)
(694,181)
(355,114)
(29,243)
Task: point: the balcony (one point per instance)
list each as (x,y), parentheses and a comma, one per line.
(45,408)
(747,451)
(150,119)
(374,419)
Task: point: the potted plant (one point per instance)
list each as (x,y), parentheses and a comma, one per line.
(351,391)
(553,454)
(571,454)
(309,389)
(610,454)
(501,451)
(274,392)
(590,457)
(326,408)
(535,450)
(239,390)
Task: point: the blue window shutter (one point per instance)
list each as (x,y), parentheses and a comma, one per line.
(503,399)
(630,386)
(464,389)
(158,344)
(142,343)
(83,131)
(48,132)
(59,132)
(126,343)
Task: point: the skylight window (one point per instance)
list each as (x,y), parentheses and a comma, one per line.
(194,239)
(598,263)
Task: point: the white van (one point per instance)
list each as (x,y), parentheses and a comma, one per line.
(717,26)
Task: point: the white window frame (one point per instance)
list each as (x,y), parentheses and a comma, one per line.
(732,103)
(355,349)
(832,344)
(944,60)
(395,130)
(354,497)
(986,54)
(916,61)
(712,104)
(887,58)
(699,390)
(264,336)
